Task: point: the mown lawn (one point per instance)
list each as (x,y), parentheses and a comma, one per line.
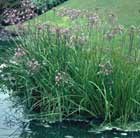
(128,11)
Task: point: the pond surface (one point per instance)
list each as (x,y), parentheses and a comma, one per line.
(13,124)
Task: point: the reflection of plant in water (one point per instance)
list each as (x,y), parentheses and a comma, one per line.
(35,129)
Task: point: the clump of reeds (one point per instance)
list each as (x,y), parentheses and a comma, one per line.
(91,69)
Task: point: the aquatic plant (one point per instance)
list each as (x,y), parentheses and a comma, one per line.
(91,71)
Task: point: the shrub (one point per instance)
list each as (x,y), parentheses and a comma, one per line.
(44,5)
(7,4)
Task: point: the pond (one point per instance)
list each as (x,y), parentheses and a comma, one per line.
(14,124)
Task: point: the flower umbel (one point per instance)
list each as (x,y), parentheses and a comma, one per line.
(105,68)
(19,52)
(61,78)
(33,66)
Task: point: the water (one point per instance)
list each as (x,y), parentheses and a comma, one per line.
(14,124)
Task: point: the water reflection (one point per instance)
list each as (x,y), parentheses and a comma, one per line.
(6,124)
(62,130)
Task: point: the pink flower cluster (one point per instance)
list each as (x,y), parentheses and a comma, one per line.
(19,52)
(33,66)
(25,11)
(61,78)
(105,68)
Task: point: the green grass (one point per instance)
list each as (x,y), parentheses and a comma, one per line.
(128,11)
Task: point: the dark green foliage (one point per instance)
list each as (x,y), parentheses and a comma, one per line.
(44,5)
(8,4)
